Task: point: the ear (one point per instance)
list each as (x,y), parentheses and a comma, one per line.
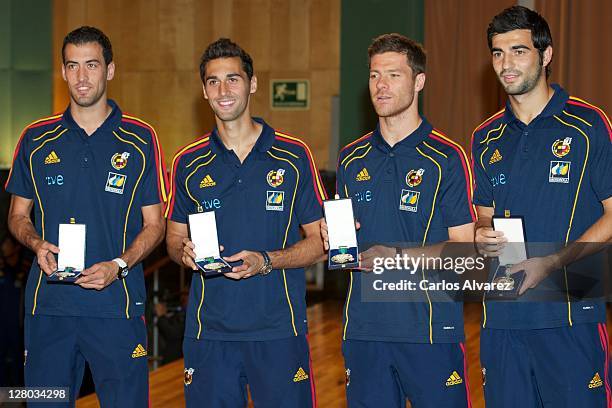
(204,91)
(253,84)
(64,73)
(110,71)
(547,56)
(419,82)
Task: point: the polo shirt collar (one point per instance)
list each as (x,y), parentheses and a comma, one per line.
(262,145)
(554,107)
(409,142)
(112,121)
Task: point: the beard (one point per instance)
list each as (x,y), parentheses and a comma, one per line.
(524,86)
(387,111)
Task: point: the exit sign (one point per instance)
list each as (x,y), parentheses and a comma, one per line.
(290,94)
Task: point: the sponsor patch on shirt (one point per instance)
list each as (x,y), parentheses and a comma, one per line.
(274,200)
(409,200)
(115,183)
(559,172)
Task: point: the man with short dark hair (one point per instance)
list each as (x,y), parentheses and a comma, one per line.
(96,166)
(545,157)
(249,326)
(409,184)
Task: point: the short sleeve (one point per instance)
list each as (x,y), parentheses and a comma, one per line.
(456,200)
(601,163)
(311,193)
(153,178)
(178,199)
(483,189)
(20,181)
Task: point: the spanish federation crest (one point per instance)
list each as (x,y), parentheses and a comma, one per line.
(414,177)
(275,177)
(561,147)
(119,160)
(188,376)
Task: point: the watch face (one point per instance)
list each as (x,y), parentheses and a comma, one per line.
(123,272)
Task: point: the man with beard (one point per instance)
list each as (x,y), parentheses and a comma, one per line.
(409,183)
(96,166)
(546,157)
(249,326)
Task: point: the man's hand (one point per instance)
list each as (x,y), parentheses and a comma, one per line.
(489,242)
(188,254)
(98,276)
(366,258)
(252,262)
(45,256)
(325,232)
(536,270)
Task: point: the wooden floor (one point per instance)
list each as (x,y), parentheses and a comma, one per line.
(166,383)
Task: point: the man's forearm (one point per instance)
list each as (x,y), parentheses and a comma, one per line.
(303,253)
(174,247)
(593,240)
(149,237)
(22,229)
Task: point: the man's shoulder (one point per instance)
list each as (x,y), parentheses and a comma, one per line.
(291,145)
(191,151)
(493,122)
(443,147)
(354,147)
(586,115)
(42,128)
(138,129)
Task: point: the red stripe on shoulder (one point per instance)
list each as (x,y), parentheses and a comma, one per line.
(43,122)
(160,164)
(177,157)
(466,173)
(491,119)
(600,112)
(354,142)
(320,192)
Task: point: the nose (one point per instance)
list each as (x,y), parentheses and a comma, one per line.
(381,83)
(223,88)
(507,62)
(82,74)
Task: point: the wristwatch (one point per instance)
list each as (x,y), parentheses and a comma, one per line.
(123,268)
(267,266)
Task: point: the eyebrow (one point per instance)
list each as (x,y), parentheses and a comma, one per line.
(87,62)
(514,47)
(232,75)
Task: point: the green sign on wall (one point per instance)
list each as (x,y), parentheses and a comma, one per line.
(290,94)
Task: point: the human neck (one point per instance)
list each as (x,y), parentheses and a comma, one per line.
(528,106)
(239,135)
(90,118)
(396,128)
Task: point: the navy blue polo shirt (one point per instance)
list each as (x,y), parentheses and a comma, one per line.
(412,193)
(259,205)
(101,181)
(554,173)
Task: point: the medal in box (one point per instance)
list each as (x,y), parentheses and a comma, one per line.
(513,252)
(203,234)
(71,258)
(343,249)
